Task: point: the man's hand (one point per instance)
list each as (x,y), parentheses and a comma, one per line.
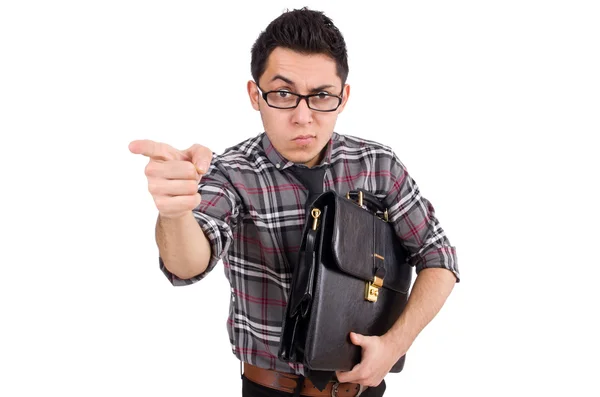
(173,175)
(378,358)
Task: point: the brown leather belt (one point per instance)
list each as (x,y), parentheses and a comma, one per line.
(287,383)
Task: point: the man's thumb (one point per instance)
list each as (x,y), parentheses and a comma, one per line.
(357,339)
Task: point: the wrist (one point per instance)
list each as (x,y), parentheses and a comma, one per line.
(397,342)
(176,217)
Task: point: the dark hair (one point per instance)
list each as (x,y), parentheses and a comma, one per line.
(305,31)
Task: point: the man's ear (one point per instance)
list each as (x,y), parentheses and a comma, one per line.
(346,95)
(253,94)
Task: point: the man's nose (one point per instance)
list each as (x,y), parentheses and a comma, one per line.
(302,113)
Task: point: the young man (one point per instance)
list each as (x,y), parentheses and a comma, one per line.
(247,207)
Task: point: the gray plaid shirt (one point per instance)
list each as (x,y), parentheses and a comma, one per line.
(253,212)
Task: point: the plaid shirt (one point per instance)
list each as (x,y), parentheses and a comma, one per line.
(253,212)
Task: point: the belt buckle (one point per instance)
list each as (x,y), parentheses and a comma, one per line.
(336,385)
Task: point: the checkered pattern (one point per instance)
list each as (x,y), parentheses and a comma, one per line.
(253,212)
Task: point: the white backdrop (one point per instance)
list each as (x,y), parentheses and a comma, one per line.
(492,106)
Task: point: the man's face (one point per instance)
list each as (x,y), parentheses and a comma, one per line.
(298,134)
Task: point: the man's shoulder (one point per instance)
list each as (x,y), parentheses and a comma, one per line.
(244,152)
(363,145)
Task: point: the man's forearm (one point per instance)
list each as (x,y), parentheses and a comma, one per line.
(429,293)
(182,245)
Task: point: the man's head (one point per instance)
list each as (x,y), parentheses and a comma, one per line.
(300,52)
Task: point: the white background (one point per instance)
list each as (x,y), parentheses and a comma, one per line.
(492,106)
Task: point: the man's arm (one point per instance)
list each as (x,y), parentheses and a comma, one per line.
(429,293)
(183,247)
(434,259)
(432,255)
(196,209)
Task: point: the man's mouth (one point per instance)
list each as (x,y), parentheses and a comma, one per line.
(303,139)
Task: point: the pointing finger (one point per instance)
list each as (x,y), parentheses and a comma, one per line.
(156,150)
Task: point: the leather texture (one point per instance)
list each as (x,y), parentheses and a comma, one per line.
(288,383)
(327,296)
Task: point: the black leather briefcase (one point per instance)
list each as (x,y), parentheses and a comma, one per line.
(352,275)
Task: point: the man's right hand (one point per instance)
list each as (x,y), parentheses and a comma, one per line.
(173,175)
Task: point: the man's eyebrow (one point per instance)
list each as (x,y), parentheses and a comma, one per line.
(290,82)
(280,77)
(322,87)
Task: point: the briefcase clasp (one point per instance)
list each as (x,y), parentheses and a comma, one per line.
(372,289)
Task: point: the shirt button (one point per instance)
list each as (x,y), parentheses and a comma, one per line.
(278,165)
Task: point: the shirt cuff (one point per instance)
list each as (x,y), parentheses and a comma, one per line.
(437,256)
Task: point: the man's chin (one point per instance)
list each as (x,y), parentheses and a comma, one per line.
(303,159)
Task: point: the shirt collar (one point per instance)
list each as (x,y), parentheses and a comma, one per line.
(282,163)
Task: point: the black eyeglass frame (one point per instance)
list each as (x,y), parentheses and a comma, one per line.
(299,98)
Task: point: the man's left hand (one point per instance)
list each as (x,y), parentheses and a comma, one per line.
(378,357)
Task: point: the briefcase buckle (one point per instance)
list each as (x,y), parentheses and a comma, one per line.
(360,197)
(384,215)
(372,289)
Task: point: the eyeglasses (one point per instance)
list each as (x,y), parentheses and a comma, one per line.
(282,99)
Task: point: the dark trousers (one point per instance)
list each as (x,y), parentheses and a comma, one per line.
(251,389)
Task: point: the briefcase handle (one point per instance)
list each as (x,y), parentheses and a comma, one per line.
(363,197)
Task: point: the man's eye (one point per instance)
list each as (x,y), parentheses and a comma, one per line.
(283,94)
(323,94)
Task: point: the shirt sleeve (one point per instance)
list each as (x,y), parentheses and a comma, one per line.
(415,222)
(217,215)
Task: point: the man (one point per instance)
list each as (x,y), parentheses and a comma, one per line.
(247,208)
